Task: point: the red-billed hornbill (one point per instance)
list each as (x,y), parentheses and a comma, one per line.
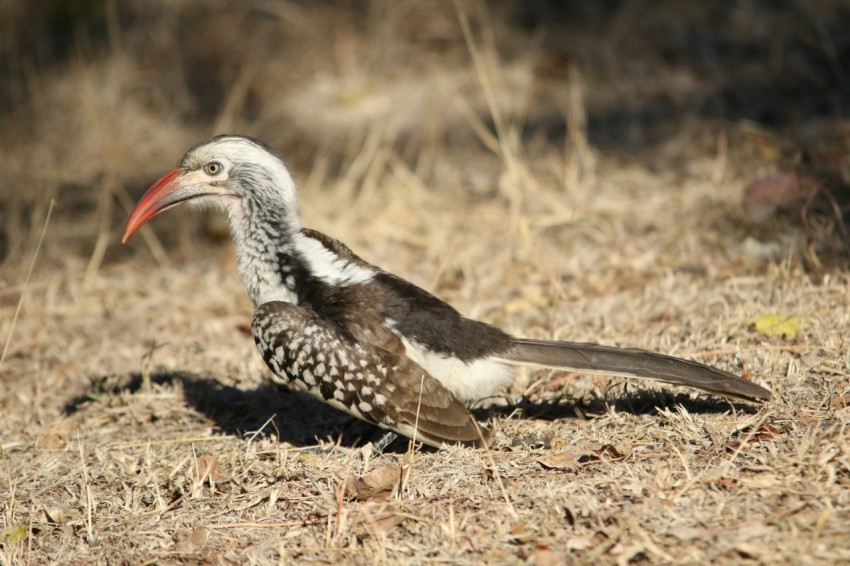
(364,340)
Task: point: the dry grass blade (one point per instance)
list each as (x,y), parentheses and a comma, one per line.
(486,65)
(379,482)
(26,282)
(104,213)
(89,500)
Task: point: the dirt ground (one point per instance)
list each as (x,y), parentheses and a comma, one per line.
(644,174)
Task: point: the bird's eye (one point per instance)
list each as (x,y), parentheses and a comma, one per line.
(213,168)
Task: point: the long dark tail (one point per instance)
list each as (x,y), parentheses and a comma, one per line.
(639,363)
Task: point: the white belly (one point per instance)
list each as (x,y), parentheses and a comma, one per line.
(469,382)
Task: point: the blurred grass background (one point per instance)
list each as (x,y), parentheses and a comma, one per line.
(98,97)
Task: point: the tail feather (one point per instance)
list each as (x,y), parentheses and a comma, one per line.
(632,362)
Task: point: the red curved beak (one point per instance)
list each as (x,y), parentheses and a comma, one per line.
(164,194)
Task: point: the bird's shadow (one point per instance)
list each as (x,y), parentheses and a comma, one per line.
(297,419)
(266,411)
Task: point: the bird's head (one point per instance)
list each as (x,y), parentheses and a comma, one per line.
(237,173)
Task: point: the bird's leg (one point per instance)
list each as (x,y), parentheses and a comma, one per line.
(381,444)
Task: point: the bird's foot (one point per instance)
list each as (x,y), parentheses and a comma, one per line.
(381,444)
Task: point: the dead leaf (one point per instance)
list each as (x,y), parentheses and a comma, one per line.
(381,481)
(618,451)
(810,358)
(684,533)
(840,401)
(582,455)
(66,531)
(382,523)
(55,435)
(386,521)
(56,515)
(374,518)
(776,325)
(14,534)
(193,541)
(562,460)
(764,432)
(754,529)
(520,533)
(769,194)
(544,556)
(207,468)
(767,431)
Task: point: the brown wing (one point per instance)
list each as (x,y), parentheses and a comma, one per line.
(417,314)
(372,383)
(357,308)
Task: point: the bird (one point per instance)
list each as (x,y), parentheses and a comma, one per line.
(361,339)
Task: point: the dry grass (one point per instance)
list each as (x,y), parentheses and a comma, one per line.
(578,178)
